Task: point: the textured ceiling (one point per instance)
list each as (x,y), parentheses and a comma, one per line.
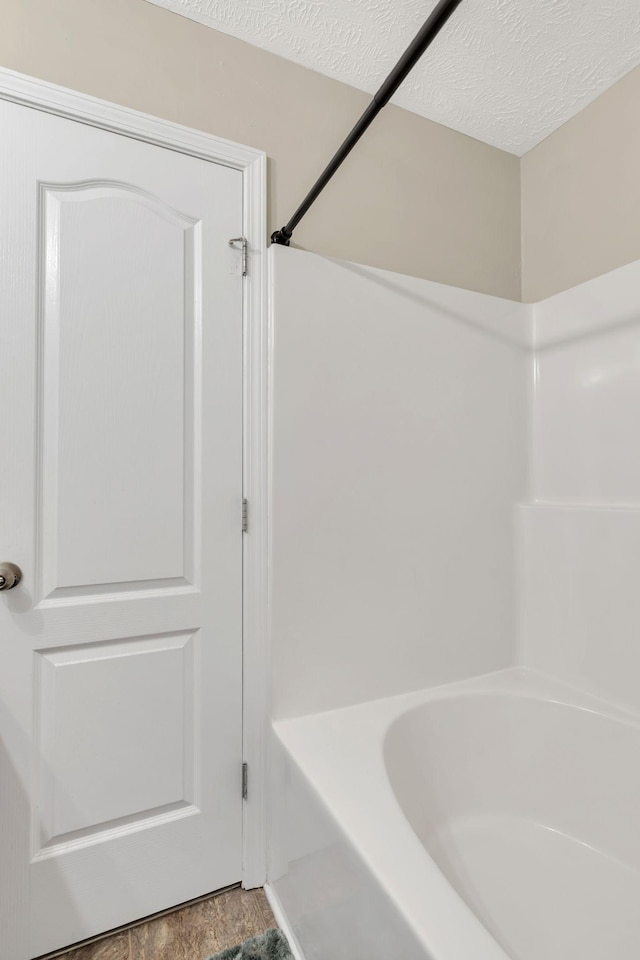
(508,72)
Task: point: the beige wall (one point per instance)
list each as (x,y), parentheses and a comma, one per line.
(581,195)
(414,197)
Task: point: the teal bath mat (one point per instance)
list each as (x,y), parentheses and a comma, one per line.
(272,945)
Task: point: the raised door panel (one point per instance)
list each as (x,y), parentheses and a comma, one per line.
(120,278)
(115,738)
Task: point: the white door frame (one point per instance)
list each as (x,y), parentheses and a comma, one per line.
(41,95)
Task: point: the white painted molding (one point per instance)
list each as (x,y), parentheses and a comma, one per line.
(257,490)
(41,95)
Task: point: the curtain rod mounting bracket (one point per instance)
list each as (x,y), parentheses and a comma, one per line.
(279,236)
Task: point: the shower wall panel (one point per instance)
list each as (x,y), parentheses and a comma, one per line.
(399,450)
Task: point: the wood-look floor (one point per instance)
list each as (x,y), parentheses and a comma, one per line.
(192,933)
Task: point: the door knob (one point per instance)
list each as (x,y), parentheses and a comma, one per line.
(10,576)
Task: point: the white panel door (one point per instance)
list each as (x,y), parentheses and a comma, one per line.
(120,500)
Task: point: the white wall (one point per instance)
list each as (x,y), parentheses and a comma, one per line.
(581,537)
(399,450)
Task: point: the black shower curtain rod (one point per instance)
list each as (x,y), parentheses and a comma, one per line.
(405,64)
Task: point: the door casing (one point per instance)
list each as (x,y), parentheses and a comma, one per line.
(60,101)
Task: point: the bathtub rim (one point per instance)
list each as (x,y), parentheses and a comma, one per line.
(341,754)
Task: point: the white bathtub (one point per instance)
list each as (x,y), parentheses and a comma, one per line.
(491,819)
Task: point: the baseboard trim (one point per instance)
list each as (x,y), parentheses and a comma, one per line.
(283,923)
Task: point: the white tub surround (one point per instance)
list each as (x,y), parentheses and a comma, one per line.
(399,449)
(580,597)
(580,536)
(447,472)
(587,393)
(492,818)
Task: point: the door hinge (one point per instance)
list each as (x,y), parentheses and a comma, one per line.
(245,252)
(245,781)
(245,515)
